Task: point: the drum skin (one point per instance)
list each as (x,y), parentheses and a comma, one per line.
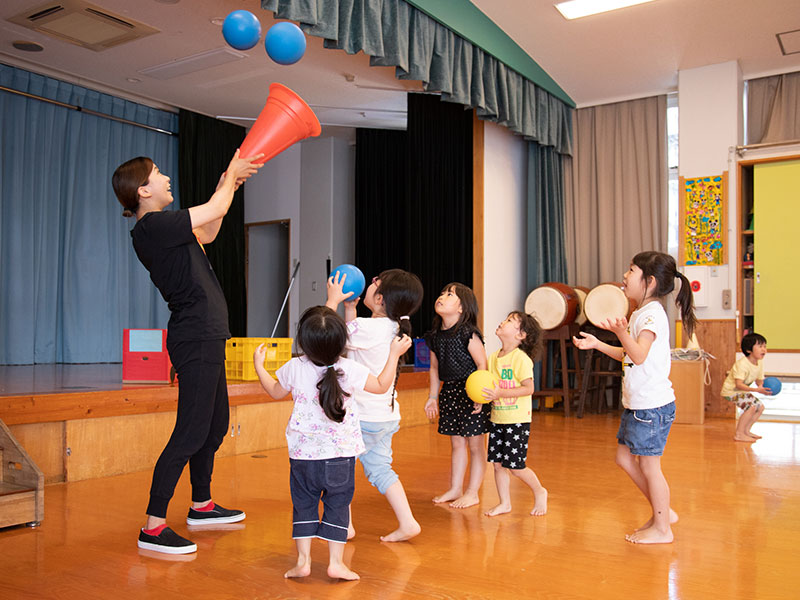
(608,301)
(581,291)
(553,304)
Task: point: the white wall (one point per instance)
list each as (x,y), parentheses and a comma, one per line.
(710,109)
(312,185)
(710,101)
(504,172)
(273,194)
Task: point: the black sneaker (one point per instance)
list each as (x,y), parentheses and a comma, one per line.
(167,541)
(217,514)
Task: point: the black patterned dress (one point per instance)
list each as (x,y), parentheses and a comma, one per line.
(455,364)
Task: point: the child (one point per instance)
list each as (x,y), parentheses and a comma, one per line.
(393,296)
(647,391)
(323,434)
(737,388)
(456,350)
(510,426)
(168,244)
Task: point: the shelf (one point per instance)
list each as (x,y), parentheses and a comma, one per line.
(748,232)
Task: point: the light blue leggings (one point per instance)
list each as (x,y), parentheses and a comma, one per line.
(377,459)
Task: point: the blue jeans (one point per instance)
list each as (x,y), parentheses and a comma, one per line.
(377,459)
(334,480)
(645,431)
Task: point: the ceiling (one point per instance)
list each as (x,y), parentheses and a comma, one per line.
(629,53)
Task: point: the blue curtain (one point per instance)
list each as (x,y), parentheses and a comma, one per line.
(394,33)
(69,278)
(546,255)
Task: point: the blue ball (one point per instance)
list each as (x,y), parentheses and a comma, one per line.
(285,43)
(773,384)
(241,29)
(354,281)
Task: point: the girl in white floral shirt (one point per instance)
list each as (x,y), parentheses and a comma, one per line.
(323,433)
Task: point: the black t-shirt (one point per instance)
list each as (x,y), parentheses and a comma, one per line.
(451,347)
(169,250)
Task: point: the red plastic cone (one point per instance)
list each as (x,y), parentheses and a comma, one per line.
(284,120)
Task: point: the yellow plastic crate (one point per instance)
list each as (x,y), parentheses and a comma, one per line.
(239,356)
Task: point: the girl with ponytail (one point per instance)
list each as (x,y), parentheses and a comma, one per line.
(647,394)
(393,296)
(323,432)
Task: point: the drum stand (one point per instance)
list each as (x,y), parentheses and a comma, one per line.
(562,335)
(610,377)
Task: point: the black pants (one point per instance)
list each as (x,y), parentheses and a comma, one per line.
(201,424)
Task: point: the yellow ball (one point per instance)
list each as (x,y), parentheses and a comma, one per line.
(475,384)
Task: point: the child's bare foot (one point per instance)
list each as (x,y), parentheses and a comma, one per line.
(340,571)
(753,435)
(351,532)
(403,533)
(500,509)
(540,504)
(465,501)
(673,518)
(449,495)
(651,535)
(301,569)
(743,437)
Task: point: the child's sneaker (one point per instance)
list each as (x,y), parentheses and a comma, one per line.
(166,541)
(213,513)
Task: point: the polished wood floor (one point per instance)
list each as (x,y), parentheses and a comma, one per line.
(738,535)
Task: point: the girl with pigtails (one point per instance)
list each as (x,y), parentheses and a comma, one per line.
(647,393)
(392,297)
(323,432)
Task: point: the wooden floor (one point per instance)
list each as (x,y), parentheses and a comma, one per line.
(738,535)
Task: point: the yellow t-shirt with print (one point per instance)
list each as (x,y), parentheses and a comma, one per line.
(511,370)
(746,371)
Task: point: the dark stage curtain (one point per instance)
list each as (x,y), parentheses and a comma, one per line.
(415,213)
(206,146)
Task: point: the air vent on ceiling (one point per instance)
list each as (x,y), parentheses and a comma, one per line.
(789,42)
(190,64)
(83,24)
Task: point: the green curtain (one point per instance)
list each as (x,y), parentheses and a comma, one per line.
(205,148)
(546,255)
(394,33)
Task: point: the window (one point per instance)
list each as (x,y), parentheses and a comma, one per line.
(672,165)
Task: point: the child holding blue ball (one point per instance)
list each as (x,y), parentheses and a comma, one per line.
(745,371)
(393,296)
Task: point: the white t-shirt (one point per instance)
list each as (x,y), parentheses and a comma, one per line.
(368,342)
(648,385)
(310,434)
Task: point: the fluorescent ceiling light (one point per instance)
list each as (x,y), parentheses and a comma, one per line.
(575,9)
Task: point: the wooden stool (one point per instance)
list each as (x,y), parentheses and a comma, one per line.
(563,337)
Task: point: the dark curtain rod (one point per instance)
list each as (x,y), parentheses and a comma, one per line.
(87,111)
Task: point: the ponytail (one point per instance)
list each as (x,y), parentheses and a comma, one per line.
(322,336)
(685,302)
(663,269)
(331,394)
(402,296)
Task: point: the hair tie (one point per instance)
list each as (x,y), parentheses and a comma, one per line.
(406,317)
(329,367)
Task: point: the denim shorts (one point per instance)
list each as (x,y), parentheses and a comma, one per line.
(377,459)
(334,480)
(645,431)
